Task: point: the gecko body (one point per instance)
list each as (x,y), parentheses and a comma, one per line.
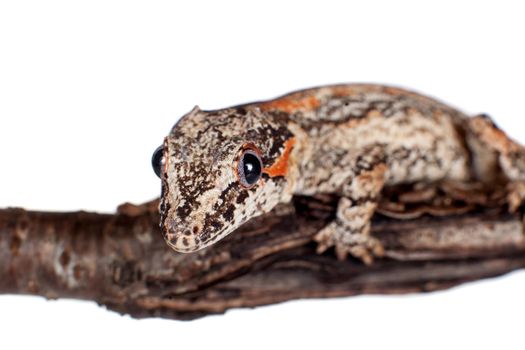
(221,168)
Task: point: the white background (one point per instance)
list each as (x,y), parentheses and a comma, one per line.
(89,89)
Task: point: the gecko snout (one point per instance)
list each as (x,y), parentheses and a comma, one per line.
(182,237)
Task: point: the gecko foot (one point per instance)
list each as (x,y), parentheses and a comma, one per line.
(359,245)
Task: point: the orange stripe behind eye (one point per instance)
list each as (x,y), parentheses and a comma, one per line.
(290,105)
(280,167)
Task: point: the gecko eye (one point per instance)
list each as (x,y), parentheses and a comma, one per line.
(249,168)
(157,160)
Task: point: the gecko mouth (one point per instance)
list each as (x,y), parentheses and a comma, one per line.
(180,237)
(185,238)
(183,234)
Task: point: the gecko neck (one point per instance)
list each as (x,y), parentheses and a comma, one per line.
(298,156)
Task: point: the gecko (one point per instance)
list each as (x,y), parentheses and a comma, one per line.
(221,168)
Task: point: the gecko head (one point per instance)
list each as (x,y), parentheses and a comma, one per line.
(219,169)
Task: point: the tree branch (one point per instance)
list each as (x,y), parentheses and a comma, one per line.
(434,239)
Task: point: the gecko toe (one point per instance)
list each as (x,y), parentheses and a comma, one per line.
(341,251)
(324,239)
(515,195)
(360,246)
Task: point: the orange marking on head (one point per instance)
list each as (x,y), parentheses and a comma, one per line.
(280,167)
(290,105)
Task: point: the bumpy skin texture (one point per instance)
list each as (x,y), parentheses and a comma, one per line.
(351,140)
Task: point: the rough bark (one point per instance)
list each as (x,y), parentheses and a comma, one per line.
(434,238)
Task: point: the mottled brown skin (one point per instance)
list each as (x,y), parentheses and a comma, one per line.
(351,140)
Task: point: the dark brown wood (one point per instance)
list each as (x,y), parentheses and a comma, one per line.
(433,240)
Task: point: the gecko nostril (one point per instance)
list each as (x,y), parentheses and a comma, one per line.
(196,229)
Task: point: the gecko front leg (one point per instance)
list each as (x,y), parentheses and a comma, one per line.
(350,231)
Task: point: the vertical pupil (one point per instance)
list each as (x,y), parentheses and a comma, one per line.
(252,168)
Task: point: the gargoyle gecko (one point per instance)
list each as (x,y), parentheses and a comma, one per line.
(223,167)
